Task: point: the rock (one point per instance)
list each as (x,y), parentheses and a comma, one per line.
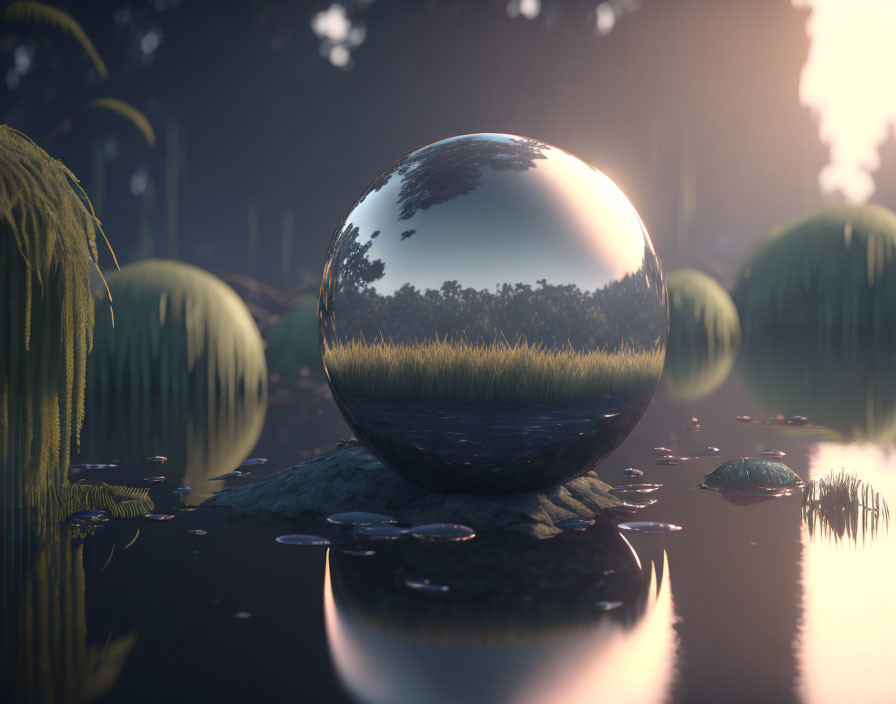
(349,478)
(750,473)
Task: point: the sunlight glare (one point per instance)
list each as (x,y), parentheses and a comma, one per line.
(846,82)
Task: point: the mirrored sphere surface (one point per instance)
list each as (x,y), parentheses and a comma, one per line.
(493,316)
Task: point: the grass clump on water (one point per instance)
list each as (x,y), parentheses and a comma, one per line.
(464,372)
(841,505)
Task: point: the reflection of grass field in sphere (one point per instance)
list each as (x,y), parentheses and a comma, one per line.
(463,372)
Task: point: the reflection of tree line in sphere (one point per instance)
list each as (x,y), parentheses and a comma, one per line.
(555,314)
(463,372)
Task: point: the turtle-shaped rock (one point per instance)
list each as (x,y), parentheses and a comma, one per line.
(752,475)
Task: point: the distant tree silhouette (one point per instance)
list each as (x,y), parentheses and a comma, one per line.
(622,313)
(445,170)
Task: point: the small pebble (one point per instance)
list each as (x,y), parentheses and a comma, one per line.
(242,614)
(709,452)
(649,527)
(607,605)
(182,490)
(159,516)
(443,532)
(357,518)
(359,553)
(254,461)
(773,453)
(744,419)
(156,459)
(155,480)
(300,539)
(661,451)
(91,517)
(632,472)
(376,531)
(197,531)
(424,585)
(668,461)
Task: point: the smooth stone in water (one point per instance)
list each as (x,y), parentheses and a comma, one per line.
(661,452)
(254,461)
(359,553)
(637,489)
(300,539)
(649,527)
(632,472)
(182,490)
(424,585)
(155,459)
(158,516)
(92,517)
(197,531)
(708,452)
(443,532)
(155,480)
(607,605)
(357,518)
(780,454)
(380,531)
(749,474)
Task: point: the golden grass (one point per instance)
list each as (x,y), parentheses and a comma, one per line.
(463,372)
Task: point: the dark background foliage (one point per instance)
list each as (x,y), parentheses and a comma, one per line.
(691,106)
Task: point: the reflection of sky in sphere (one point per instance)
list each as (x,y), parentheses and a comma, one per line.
(560,220)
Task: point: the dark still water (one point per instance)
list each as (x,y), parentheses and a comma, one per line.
(741,605)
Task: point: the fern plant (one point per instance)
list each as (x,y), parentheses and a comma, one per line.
(43,13)
(48,256)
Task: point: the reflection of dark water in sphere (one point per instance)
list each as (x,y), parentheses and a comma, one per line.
(483,449)
(493,316)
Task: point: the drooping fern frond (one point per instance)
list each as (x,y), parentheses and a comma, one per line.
(126,110)
(47,253)
(41,12)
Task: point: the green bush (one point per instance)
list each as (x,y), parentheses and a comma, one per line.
(831,274)
(292,341)
(704,335)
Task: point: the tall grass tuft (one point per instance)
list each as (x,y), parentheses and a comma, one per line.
(842,506)
(463,372)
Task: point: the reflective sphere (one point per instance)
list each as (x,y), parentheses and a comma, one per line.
(492,316)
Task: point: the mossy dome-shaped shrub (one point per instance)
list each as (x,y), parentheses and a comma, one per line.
(292,340)
(182,373)
(47,258)
(831,273)
(180,335)
(704,335)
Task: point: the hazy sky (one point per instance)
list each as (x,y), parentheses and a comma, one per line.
(560,220)
(693,107)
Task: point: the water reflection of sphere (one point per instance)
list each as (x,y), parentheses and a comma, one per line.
(493,316)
